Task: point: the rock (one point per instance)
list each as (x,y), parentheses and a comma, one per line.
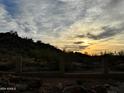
(75,89)
(101,89)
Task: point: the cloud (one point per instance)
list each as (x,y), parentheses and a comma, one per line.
(11,6)
(59,22)
(50,16)
(74,47)
(114,10)
(107,32)
(78,42)
(110,31)
(6,21)
(80,36)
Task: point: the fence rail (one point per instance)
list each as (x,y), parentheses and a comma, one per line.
(106,74)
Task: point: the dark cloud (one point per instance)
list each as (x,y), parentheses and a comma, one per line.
(74,47)
(78,42)
(114,2)
(82,47)
(92,36)
(80,36)
(107,33)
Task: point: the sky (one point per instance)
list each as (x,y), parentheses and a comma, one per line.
(91,26)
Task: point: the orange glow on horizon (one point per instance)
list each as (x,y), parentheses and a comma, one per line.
(98,49)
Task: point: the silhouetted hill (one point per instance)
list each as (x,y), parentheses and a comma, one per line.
(14,48)
(11,43)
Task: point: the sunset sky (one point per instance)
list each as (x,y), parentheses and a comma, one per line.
(74,25)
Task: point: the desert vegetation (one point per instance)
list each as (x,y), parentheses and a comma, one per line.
(38,56)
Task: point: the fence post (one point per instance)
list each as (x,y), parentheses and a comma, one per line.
(19,64)
(62,67)
(106,67)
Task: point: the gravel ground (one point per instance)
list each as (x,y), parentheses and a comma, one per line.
(12,84)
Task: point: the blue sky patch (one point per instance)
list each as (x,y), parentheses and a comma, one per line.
(11,6)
